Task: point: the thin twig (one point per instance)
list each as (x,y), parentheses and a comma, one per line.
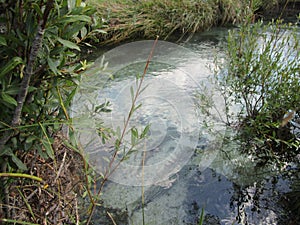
(61,166)
(143,186)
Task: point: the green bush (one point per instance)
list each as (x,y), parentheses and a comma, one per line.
(40,68)
(39,71)
(261,76)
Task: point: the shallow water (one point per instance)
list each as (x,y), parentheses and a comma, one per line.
(187,166)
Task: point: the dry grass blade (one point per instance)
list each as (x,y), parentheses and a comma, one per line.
(111,217)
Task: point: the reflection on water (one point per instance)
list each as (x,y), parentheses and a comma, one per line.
(227,184)
(231,191)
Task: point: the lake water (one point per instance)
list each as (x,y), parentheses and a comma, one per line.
(185,165)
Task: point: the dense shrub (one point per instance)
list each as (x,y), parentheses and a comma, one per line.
(262,76)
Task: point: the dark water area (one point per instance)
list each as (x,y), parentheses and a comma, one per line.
(228,185)
(223,201)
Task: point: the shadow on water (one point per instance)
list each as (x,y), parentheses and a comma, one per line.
(232,188)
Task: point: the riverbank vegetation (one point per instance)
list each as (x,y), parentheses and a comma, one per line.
(43,172)
(261,75)
(145,19)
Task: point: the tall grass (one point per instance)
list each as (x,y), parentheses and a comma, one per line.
(148,18)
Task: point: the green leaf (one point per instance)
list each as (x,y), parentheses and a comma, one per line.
(132,93)
(73,31)
(70,97)
(134,136)
(37,9)
(8,99)
(3,41)
(47,143)
(75,18)
(10,65)
(31,89)
(6,151)
(201,218)
(73,137)
(30,139)
(99,31)
(137,107)
(18,162)
(48,147)
(145,131)
(12,90)
(68,44)
(83,32)
(41,152)
(78,3)
(52,66)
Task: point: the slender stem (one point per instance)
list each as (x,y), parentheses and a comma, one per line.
(21,175)
(110,170)
(143,187)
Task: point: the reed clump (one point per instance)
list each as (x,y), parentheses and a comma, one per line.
(126,19)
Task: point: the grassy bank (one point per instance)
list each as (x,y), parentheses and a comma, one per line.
(133,19)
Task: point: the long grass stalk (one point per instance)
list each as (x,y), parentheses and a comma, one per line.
(110,170)
(201,219)
(21,175)
(17,222)
(27,205)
